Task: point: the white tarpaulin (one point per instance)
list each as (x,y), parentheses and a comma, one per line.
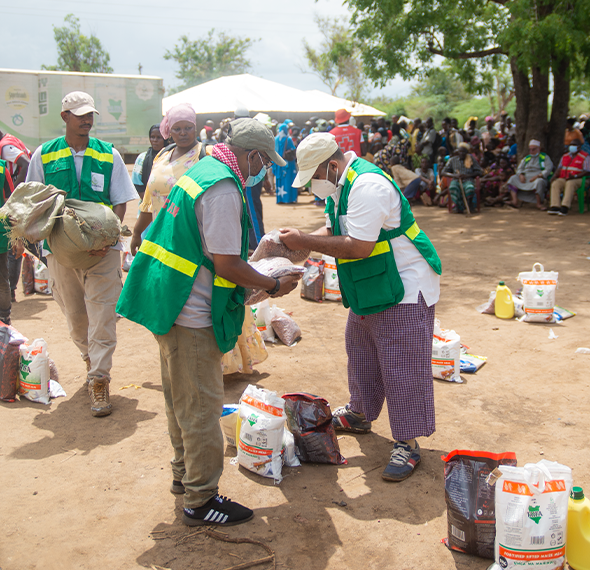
(226,94)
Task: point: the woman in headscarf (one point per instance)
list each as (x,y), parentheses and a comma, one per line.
(144,162)
(169,165)
(285,175)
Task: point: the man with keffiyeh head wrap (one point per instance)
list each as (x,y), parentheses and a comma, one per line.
(194,258)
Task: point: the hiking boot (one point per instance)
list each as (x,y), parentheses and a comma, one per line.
(344,419)
(402,462)
(98,389)
(553,211)
(13,296)
(218,511)
(177,488)
(563,211)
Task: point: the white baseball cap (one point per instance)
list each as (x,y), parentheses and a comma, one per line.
(78,103)
(313,150)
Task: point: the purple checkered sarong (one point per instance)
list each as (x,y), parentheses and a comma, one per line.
(390,358)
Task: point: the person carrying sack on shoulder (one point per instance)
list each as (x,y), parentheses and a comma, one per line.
(91,170)
(186,286)
(389,278)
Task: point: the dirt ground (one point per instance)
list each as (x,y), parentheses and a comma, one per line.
(86,493)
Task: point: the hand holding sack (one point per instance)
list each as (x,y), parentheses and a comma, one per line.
(270,245)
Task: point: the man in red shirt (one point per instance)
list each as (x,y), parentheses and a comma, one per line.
(348,137)
(18,156)
(573,167)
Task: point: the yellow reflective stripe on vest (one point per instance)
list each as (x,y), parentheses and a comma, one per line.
(1,170)
(189,186)
(168,258)
(413,231)
(351,175)
(51,156)
(380,247)
(221,282)
(100,156)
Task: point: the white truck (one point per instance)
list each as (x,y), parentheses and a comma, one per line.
(30,106)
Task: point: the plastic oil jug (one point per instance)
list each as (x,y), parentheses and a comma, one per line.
(577,546)
(504,305)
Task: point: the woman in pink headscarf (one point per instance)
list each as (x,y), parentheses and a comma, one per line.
(170,164)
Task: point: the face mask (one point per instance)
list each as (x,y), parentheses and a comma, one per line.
(323,188)
(573,148)
(253,180)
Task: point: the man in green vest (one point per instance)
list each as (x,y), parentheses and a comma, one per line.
(91,170)
(186,286)
(6,189)
(389,277)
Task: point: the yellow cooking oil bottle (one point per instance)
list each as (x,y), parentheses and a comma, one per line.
(577,546)
(504,305)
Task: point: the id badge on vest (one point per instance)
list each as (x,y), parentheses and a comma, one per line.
(97,182)
(343,223)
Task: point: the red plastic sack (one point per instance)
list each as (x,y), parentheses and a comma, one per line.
(471,504)
(309,419)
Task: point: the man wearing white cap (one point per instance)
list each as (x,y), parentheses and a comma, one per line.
(529,184)
(91,170)
(389,277)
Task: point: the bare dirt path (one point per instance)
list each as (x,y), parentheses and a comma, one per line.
(85,493)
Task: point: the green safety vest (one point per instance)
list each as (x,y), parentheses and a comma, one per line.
(542,157)
(3,230)
(373,284)
(97,169)
(164,270)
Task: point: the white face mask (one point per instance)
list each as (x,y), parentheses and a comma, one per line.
(324,188)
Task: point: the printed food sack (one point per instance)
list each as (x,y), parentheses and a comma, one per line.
(228,420)
(331,282)
(446,354)
(470,500)
(262,318)
(531,516)
(41,277)
(262,421)
(34,372)
(538,292)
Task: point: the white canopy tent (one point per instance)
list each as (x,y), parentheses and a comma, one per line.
(221,97)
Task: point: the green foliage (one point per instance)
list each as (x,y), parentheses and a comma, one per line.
(216,55)
(338,60)
(77,52)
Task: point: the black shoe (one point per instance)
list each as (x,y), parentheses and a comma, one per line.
(13,296)
(218,511)
(563,211)
(554,210)
(177,488)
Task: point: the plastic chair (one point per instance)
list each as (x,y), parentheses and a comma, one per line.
(477,196)
(581,191)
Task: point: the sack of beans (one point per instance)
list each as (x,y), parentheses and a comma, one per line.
(284,326)
(271,267)
(312,282)
(270,245)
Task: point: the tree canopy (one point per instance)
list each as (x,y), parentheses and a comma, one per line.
(77,52)
(537,38)
(337,61)
(208,58)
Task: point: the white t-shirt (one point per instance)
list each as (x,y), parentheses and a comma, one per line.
(219,214)
(11,154)
(121,189)
(373,203)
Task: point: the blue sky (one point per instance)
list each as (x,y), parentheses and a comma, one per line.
(136,31)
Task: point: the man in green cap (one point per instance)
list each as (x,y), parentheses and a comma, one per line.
(186,285)
(389,277)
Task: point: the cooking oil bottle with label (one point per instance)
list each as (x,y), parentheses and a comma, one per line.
(577,546)
(504,305)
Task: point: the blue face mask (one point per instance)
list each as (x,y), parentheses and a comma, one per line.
(573,148)
(253,180)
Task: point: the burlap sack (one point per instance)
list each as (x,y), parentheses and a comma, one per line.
(83,227)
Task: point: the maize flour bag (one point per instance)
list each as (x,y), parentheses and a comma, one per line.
(34,371)
(538,292)
(531,516)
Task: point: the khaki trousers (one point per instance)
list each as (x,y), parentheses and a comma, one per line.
(190,362)
(87,298)
(568,187)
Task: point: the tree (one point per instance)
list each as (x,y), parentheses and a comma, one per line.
(77,52)
(338,60)
(209,58)
(537,38)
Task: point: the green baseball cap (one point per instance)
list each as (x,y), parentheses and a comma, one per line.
(251,134)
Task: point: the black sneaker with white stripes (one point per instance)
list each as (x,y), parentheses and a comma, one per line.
(217,511)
